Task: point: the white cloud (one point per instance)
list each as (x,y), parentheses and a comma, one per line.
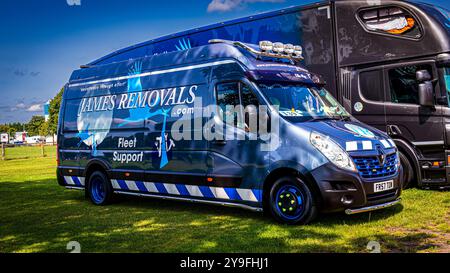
(228,5)
(35,108)
(21,106)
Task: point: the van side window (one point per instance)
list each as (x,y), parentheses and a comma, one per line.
(371,85)
(403,84)
(70,115)
(227,97)
(248,97)
(250,103)
(237,94)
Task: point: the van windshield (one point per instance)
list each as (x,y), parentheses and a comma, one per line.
(303,103)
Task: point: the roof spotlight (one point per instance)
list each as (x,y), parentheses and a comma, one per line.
(278,47)
(298,50)
(289,49)
(266,45)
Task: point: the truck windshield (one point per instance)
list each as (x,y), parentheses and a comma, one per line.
(447,83)
(303,103)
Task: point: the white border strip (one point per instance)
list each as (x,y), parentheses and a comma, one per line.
(158,72)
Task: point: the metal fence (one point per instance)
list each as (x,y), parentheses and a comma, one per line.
(11,152)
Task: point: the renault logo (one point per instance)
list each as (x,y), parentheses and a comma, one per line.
(381,156)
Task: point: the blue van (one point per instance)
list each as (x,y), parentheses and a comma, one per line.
(226,123)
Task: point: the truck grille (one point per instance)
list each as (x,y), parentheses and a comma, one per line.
(369,167)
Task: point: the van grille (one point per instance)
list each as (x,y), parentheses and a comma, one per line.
(369,167)
(381,195)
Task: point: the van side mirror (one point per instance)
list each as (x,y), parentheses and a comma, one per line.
(426,97)
(423,75)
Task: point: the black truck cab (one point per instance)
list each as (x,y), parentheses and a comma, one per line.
(398,80)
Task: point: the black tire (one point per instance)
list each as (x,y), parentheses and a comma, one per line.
(99,189)
(408,176)
(291,201)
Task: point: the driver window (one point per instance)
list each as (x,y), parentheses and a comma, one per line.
(233,94)
(403,83)
(227,100)
(250,103)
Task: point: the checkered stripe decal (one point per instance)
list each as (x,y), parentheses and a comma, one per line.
(367,145)
(236,194)
(74,181)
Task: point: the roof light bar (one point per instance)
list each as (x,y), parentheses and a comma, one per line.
(298,51)
(269,49)
(289,49)
(266,45)
(278,47)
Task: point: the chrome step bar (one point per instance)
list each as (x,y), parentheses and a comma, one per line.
(372,208)
(227,204)
(75,188)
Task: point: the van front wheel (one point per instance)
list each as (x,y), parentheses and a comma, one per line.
(100,189)
(291,201)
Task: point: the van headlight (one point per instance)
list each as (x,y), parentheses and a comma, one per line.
(332,151)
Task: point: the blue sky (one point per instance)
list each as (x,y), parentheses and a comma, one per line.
(41,42)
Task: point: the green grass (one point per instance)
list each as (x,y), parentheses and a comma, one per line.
(23,152)
(37,215)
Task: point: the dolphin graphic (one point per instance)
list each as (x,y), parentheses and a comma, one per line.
(85,135)
(184,44)
(163,138)
(135,85)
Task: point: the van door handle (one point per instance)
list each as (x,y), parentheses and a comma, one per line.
(220,142)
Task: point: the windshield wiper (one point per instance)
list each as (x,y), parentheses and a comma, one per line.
(345,118)
(322,118)
(340,118)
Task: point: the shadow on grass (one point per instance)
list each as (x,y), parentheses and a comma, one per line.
(408,243)
(40,216)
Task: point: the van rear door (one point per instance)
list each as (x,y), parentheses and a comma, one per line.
(68,140)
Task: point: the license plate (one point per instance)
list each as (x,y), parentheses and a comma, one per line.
(383,186)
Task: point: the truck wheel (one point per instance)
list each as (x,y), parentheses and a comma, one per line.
(291,201)
(99,189)
(408,176)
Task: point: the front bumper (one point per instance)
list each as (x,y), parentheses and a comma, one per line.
(346,191)
(372,208)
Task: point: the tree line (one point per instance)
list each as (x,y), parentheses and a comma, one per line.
(37,125)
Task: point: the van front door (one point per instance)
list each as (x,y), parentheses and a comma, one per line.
(236,158)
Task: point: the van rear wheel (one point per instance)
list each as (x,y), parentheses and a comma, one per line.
(99,189)
(291,201)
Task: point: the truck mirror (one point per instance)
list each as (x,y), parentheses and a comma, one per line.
(426,97)
(423,75)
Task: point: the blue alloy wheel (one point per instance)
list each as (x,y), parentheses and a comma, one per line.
(289,202)
(99,188)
